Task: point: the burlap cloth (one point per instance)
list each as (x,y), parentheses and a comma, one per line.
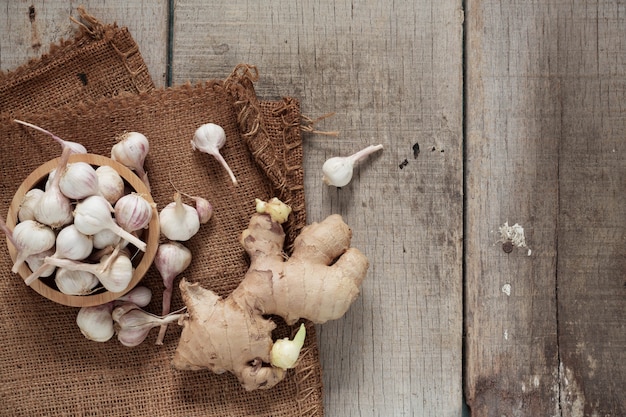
(46,366)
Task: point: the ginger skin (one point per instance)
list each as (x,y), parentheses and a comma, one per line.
(318,282)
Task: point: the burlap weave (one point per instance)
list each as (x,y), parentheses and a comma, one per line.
(46,366)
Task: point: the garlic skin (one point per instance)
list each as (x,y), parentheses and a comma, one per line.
(178,220)
(133,212)
(78,181)
(338,171)
(28,204)
(110,183)
(285,352)
(96,323)
(131,151)
(210,138)
(75,282)
(30,237)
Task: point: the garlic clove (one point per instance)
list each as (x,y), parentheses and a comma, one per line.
(110,183)
(28,204)
(96,323)
(338,170)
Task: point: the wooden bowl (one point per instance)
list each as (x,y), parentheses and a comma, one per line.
(141,261)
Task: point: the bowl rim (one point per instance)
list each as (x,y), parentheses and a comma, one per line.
(152,241)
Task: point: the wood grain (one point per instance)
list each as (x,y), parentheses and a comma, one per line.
(391,72)
(543,151)
(29,28)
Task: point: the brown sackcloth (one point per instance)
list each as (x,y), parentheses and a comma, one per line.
(46,366)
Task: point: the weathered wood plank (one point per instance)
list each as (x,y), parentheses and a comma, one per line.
(512,144)
(392,73)
(28,28)
(592,232)
(545,149)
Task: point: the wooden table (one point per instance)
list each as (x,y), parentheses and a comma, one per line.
(519,112)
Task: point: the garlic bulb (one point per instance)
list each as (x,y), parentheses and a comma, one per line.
(96,323)
(338,170)
(140,296)
(53,208)
(179,221)
(133,324)
(28,204)
(131,151)
(35,262)
(73,146)
(70,244)
(210,138)
(204,209)
(170,260)
(133,212)
(105,238)
(110,183)
(285,352)
(115,278)
(75,282)
(93,215)
(28,237)
(78,181)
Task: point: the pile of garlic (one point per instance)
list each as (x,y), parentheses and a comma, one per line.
(79,225)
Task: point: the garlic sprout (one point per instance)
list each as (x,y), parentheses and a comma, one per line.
(73,146)
(133,324)
(131,151)
(178,220)
(338,170)
(170,260)
(114,276)
(28,237)
(285,352)
(96,323)
(93,215)
(210,138)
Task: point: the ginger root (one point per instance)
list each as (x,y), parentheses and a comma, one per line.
(318,282)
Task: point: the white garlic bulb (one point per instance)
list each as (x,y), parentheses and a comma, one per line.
(133,212)
(78,181)
(338,170)
(30,237)
(178,220)
(110,183)
(96,323)
(28,204)
(210,138)
(75,282)
(131,151)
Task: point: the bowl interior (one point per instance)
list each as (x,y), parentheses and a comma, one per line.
(141,260)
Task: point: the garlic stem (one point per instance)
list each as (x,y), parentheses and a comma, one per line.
(285,352)
(74,146)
